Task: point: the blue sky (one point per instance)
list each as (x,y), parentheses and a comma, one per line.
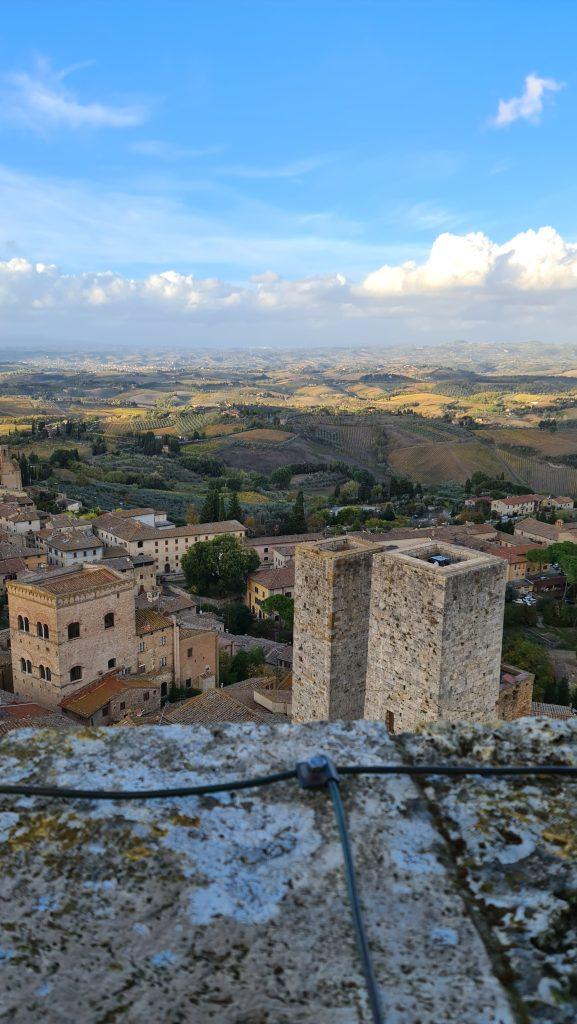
(315,141)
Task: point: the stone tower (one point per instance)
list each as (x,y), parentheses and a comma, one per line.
(10,475)
(332,604)
(436,621)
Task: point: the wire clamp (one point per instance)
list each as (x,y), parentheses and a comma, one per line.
(317,772)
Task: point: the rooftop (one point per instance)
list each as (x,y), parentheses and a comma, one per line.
(274,579)
(130,529)
(149,619)
(95,695)
(78,580)
(233,909)
(73,540)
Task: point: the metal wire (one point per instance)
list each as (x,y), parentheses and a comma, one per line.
(356,912)
(451,771)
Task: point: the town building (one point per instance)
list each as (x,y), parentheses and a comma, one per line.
(546,533)
(70,547)
(515,555)
(268,582)
(266,547)
(165,543)
(111,699)
(517,504)
(67,628)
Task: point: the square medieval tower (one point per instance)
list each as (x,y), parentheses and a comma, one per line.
(332,603)
(436,621)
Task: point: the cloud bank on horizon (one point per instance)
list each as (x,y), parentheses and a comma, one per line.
(467,286)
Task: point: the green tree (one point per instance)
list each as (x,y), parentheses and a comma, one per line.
(234,510)
(388,513)
(297,522)
(210,507)
(284,607)
(221,509)
(220,566)
(533,658)
(237,618)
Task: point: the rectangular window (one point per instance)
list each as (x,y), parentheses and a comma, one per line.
(189,652)
(141,647)
(163,662)
(162,641)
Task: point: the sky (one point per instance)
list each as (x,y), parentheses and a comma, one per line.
(280,172)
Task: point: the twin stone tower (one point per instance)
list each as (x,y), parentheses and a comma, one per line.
(405,633)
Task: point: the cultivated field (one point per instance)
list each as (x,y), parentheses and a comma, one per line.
(441,463)
(561,442)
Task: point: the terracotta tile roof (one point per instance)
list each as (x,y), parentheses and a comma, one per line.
(95,695)
(545,530)
(551,711)
(8,565)
(132,529)
(73,540)
(212,708)
(520,499)
(77,581)
(149,619)
(274,579)
(287,538)
(30,716)
(131,513)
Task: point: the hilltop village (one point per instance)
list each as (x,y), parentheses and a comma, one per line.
(404,625)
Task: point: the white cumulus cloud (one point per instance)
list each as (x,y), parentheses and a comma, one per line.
(467,286)
(40,100)
(528,106)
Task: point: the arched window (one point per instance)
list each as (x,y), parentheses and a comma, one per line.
(75,673)
(112,663)
(29,666)
(20,622)
(46,632)
(109,620)
(26,625)
(39,629)
(73,630)
(42,671)
(22,664)
(48,675)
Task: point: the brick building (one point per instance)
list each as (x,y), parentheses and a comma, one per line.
(67,627)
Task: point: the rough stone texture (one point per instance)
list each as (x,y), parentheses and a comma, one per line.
(435,636)
(233,908)
(515,694)
(332,597)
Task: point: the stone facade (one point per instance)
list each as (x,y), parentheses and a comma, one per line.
(435,636)
(10,475)
(165,544)
(515,693)
(196,658)
(58,664)
(332,599)
(383,633)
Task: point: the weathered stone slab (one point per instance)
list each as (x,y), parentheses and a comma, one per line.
(233,908)
(514,843)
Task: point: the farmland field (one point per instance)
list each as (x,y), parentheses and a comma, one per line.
(263,436)
(561,442)
(440,463)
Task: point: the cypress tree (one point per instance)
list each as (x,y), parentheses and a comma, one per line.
(234,508)
(297,520)
(210,508)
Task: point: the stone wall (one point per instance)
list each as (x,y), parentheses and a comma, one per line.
(435,636)
(233,909)
(332,598)
(515,694)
